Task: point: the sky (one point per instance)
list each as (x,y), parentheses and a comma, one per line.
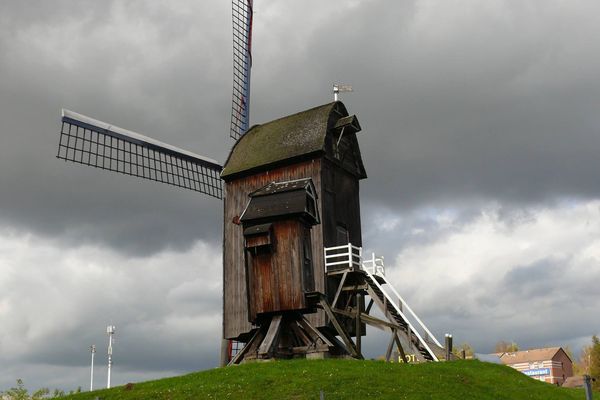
(480,139)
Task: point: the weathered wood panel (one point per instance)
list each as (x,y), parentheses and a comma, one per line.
(235,296)
(341,222)
(262,284)
(275,277)
(341,206)
(259,240)
(339,209)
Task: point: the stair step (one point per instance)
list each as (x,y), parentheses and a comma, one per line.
(395,316)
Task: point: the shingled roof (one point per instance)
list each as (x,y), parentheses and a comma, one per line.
(283,140)
(525,356)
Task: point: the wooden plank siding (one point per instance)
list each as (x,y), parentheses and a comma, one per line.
(235,296)
(275,277)
(305,145)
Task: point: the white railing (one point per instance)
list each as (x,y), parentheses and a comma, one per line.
(340,257)
(403,316)
(350,256)
(405,306)
(374,266)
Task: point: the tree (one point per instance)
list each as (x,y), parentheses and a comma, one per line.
(583,366)
(594,360)
(466,347)
(20,392)
(506,347)
(17,393)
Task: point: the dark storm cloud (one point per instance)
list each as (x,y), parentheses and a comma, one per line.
(463,101)
(96,60)
(458,104)
(535,279)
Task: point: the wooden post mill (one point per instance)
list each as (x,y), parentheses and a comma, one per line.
(293,275)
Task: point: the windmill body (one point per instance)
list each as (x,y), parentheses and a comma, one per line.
(305,145)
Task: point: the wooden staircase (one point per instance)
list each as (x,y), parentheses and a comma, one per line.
(409,340)
(358,277)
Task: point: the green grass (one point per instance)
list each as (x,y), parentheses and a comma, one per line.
(345,379)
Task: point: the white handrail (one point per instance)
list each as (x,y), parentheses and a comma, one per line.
(374,265)
(352,257)
(410,327)
(375,270)
(404,304)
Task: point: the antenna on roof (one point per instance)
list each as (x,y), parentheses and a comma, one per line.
(337,89)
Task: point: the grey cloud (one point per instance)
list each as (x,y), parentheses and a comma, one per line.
(455,109)
(533,280)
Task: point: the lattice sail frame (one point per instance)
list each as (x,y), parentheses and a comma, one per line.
(242,16)
(91,142)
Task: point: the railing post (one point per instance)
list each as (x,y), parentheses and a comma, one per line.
(360,258)
(350,266)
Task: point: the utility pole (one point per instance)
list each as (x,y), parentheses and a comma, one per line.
(110,331)
(93,351)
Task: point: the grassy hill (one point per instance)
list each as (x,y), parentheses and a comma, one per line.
(344,379)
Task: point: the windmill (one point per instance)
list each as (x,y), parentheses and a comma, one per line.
(294,282)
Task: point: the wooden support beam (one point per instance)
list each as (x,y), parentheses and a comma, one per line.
(388,353)
(309,349)
(354,288)
(368,309)
(340,330)
(240,354)
(271,339)
(400,349)
(339,289)
(314,331)
(358,336)
(369,319)
(301,335)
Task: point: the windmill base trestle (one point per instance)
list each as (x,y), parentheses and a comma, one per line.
(291,335)
(360,286)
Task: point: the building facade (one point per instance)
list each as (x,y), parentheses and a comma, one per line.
(551,365)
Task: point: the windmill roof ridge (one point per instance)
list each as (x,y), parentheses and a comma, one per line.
(286,138)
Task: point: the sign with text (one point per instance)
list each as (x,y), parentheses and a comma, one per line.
(537,372)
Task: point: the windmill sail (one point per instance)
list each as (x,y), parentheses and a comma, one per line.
(91,142)
(242,64)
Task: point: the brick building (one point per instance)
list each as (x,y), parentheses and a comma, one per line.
(551,365)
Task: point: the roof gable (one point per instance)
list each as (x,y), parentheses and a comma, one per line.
(286,139)
(530,355)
